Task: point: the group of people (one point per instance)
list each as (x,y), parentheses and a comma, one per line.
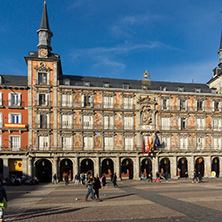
(197,177)
(159,176)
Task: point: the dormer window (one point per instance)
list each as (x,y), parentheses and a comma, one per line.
(0,80)
(213,90)
(197,90)
(87,84)
(180,89)
(106,85)
(162,88)
(144,87)
(125,86)
(66,82)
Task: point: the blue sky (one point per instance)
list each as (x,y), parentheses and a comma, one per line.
(174,40)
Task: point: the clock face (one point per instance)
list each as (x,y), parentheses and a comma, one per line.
(43,52)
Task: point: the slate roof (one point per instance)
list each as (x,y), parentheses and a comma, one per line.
(14,80)
(133,84)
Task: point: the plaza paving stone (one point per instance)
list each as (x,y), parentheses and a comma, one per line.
(177,200)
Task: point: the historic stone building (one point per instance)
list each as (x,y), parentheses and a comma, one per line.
(100,125)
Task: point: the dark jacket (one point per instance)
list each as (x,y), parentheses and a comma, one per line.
(4,192)
(97,184)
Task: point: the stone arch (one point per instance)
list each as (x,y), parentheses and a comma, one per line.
(182,167)
(215,165)
(87,166)
(146,166)
(199,165)
(127,168)
(43,169)
(66,167)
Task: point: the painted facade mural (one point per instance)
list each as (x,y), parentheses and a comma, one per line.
(118,141)
(118,122)
(98,120)
(98,142)
(78,141)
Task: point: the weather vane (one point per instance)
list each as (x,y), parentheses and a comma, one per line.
(146,79)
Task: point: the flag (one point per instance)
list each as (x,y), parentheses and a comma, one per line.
(148,145)
(143,148)
(157,141)
(151,141)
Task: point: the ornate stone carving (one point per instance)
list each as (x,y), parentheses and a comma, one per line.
(42,67)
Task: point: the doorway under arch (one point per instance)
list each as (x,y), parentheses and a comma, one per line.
(182,168)
(107,167)
(127,169)
(164,166)
(146,166)
(87,167)
(66,167)
(199,166)
(216,166)
(43,170)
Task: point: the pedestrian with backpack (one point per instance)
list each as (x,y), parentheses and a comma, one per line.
(3,201)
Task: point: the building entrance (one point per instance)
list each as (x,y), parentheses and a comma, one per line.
(43,170)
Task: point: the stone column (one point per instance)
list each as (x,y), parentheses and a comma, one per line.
(190,163)
(55,166)
(220,166)
(96,166)
(207,166)
(173,167)
(117,168)
(29,168)
(25,166)
(76,166)
(136,171)
(155,166)
(5,167)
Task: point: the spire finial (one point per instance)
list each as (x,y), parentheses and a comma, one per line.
(44,2)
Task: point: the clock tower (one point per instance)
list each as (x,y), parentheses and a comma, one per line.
(45,35)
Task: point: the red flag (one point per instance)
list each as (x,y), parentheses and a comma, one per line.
(148,145)
(143,148)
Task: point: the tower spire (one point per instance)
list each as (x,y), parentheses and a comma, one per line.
(44,31)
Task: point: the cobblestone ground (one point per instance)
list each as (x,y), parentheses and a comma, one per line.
(177,200)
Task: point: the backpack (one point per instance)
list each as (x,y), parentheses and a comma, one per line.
(1,195)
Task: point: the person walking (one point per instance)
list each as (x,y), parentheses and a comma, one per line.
(54,180)
(103,181)
(77,178)
(96,186)
(195,177)
(3,201)
(150,176)
(66,179)
(89,185)
(157,176)
(83,178)
(115,180)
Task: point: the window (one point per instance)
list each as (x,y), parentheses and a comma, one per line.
(66,121)
(182,104)
(0,141)
(108,102)
(183,143)
(165,104)
(43,121)
(14,99)
(165,123)
(108,122)
(217,143)
(43,99)
(87,100)
(128,122)
(166,142)
(15,118)
(1,120)
(200,143)
(180,89)
(108,143)
(1,100)
(216,106)
(144,87)
(43,142)
(66,82)
(106,85)
(216,124)
(129,143)
(66,143)
(87,84)
(200,124)
(197,90)
(88,143)
(15,142)
(127,103)
(162,88)
(199,105)
(42,78)
(66,100)
(183,123)
(125,86)
(87,122)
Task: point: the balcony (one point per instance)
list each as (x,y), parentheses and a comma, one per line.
(43,104)
(44,126)
(187,109)
(14,149)
(13,105)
